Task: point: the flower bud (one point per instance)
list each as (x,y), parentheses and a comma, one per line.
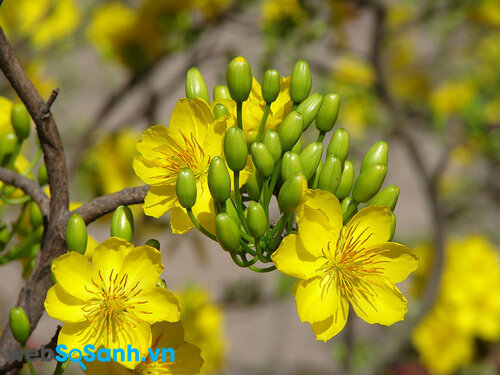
(329,179)
(235,149)
(228,233)
(272,141)
(42,177)
(301,82)
(290,130)
(19,324)
(349,208)
(21,121)
(186,188)
(290,165)
(8,144)
(369,182)
(377,154)
(313,182)
(52,276)
(220,110)
(310,158)
(387,197)
(271,85)
(393,226)
(257,221)
(254,185)
(153,243)
(328,113)
(231,211)
(309,108)
(297,147)
(291,193)
(221,92)
(219,181)
(162,284)
(36,218)
(239,79)
(195,85)
(76,234)
(122,223)
(262,159)
(339,144)
(346,180)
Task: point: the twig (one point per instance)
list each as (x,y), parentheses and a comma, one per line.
(50,101)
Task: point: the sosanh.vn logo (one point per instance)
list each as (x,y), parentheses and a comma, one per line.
(90,354)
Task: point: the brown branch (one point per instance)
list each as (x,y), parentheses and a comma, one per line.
(100,206)
(28,186)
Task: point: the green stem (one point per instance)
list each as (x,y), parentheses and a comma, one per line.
(30,365)
(294,106)
(15,201)
(247,248)
(321,136)
(34,162)
(239,114)
(274,179)
(61,367)
(263,121)
(262,270)
(237,197)
(259,251)
(199,226)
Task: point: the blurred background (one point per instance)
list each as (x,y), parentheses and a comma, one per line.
(422,74)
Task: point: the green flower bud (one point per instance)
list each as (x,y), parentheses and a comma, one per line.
(257,221)
(329,179)
(228,233)
(19,324)
(349,208)
(8,145)
(328,113)
(301,81)
(42,177)
(122,223)
(369,182)
(262,159)
(377,154)
(162,284)
(291,193)
(346,180)
(52,276)
(195,85)
(21,121)
(76,234)
(309,108)
(339,144)
(272,141)
(239,79)
(35,215)
(290,130)
(313,183)
(221,92)
(186,188)
(4,235)
(235,149)
(254,185)
(153,243)
(393,226)
(219,181)
(271,85)
(297,147)
(220,110)
(387,197)
(310,158)
(231,211)
(290,165)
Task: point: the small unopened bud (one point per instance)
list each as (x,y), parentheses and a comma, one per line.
(195,85)
(122,223)
(228,233)
(185,188)
(271,85)
(239,79)
(76,234)
(369,182)
(328,113)
(301,82)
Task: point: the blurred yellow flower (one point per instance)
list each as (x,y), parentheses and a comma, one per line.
(486,12)
(452,96)
(203,323)
(348,69)
(274,11)
(211,8)
(398,14)
(5,123)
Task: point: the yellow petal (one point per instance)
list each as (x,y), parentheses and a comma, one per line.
(384,305)
(73,273)
(332,325)
(180,221)
(156,305)
(204,209)
(167,334)
(187,360)
(159,200)
(63,306)
(108,368)
(148,171)
(108,256)
(396,261)
(77,335)
(191,117)
(372,225)
(319,219)
(152,138)
(143,265)
(293,259)
(317,298)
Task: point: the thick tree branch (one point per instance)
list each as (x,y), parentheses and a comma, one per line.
(28,186)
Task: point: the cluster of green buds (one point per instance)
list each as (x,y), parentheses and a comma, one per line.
(284,167)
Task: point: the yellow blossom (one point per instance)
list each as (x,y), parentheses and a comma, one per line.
(277,10)
(354,71)
(451,97)
(112,299)
(5,123)
(165,335)
(337,265)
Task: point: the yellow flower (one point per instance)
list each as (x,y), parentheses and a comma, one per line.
(111,300)
(451,97)
(340,264)
(202,320)
(165,335)
(5,123)
(278,10)
(193,138)
(253,109)
(354,71)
